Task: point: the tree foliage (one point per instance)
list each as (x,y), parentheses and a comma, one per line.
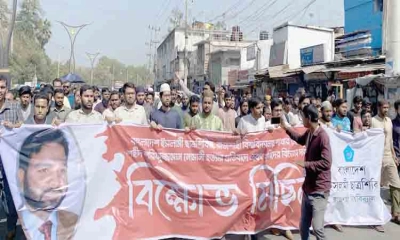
(33,32)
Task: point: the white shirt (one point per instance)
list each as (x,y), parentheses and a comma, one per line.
(249,124)
(135,115)
(32,224)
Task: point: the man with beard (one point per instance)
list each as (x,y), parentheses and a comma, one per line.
(340,120)
(42,181)
(25,94)
(69,93)
(185,103)
(85,114)
(227,114)
(165,116)
(244,110)
(206,120)
(77,98)
(41,108)
(389,174)
(57,84)
(326,114)
(114,103)
(103,105)
(193,110)
(59,109)
(354,114)
(131,111)
(150,98)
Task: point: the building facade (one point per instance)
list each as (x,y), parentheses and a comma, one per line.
(365,15)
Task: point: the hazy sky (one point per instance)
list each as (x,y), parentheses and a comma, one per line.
(119,28)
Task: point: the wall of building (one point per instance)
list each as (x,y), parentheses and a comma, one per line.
(222,63)
(365,15)
(299,38)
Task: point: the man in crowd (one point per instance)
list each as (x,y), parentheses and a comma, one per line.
(57,84)
(227,114)
(103,105)
(43,184)
(69,93)
(255,121)
(193,110)
(97,96)
(206,120)
(131,111)
(11,117)
(396,129)
(317,165)
(86,114)
(298,118)
(287,107)
(207,86)
(389,173)
(140,95)
(354,114)
(366,105)
(150,98)
(77,98)
(340,119)
(59,110)
(244,110)
(41,111)
(165,117)
(25,94)
(185,103)
(326,114)
(10,97)
(113,104)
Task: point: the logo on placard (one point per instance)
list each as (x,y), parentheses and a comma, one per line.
(348,154)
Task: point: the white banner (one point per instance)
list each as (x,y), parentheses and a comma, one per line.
(356,175)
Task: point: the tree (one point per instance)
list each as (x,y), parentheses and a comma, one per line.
(176,18)
(31,34)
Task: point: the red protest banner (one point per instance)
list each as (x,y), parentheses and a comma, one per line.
(202,184)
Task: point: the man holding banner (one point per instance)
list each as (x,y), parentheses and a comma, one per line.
(389,172)
(317,165)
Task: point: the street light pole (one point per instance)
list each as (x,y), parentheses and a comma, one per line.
(92,57)
(72,31)
(186,43)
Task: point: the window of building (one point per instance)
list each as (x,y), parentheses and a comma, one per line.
(378,5)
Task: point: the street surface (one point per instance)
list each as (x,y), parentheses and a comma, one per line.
(392,231)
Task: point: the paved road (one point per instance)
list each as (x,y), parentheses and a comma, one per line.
(350,233)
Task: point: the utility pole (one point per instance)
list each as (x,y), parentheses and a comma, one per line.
(186,43)
(92,57)
(149,44)
(155,44)
(72,31)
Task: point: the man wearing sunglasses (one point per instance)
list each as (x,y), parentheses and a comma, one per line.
(68,93)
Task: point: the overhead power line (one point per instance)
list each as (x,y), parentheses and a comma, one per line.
(255,16)
(231,8)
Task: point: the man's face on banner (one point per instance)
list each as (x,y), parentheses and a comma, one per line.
(44,182)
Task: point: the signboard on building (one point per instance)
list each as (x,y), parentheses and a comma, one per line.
(251,52)
(312,55)
(278,54)
(232,77)
(243,75)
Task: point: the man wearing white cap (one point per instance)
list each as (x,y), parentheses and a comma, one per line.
(165,117)
(326,114)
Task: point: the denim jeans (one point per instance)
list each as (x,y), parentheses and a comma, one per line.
(313,208)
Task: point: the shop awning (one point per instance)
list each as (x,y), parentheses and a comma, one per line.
(237,87)
(354,69)
(308,69)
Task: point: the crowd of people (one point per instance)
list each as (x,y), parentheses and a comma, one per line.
(216,110)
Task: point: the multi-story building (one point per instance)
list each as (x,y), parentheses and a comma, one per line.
(170,53)
(363,21)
